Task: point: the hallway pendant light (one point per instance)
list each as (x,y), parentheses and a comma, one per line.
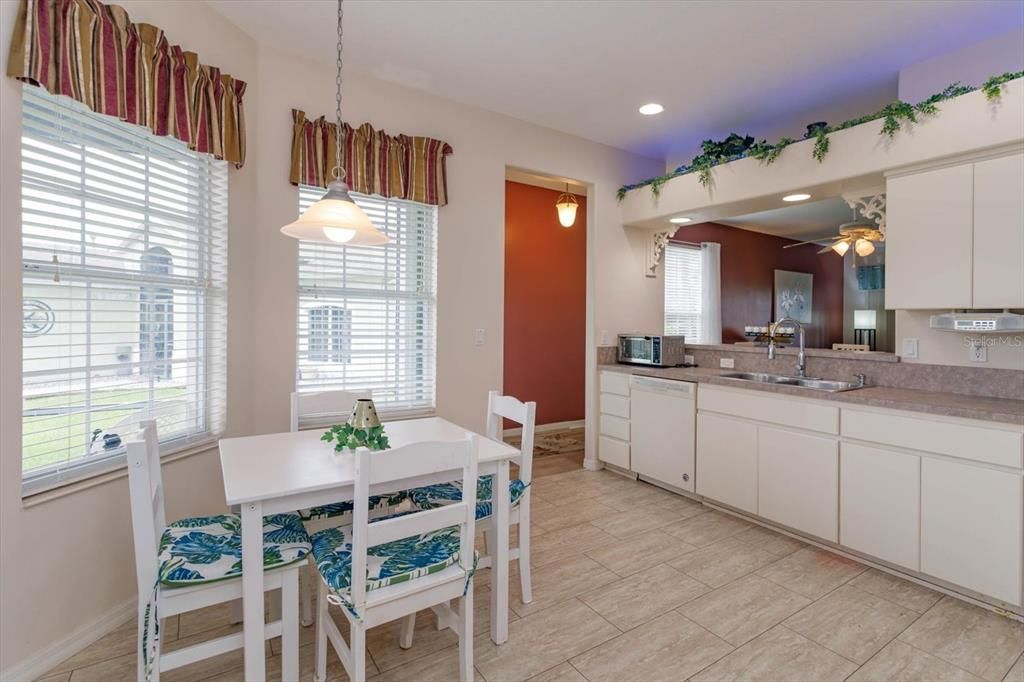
(335,218)
(566,206)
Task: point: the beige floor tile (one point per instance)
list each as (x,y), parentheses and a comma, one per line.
(120,641)
(440,666)
(539,642)
(59,677)
(811,572)
(629,555)
(969,637)
(778,654)
(335,671)
(897,590)
(555,583)
(852,622)
(670,647)
(550,517)
(1016,673)
(642,596)
(626,524)
(560,545)
(723,561)
(563,672)
(382,641)
(770,541)
(900,662)
(216,616)
(119,669)
(671,503)
(744,609)
(705,529)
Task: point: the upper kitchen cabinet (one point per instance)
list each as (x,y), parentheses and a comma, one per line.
(999,232)
(955,236)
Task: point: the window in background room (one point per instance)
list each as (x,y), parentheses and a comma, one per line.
(366,313)
(124,281)
(683,291)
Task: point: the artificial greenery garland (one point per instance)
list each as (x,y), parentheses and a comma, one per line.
(347,436)
(895,116)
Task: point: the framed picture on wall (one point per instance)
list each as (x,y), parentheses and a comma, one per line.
(793,295)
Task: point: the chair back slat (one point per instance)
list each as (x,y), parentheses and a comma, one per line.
(501,407)
(146,495)
(411,461)
(323,403)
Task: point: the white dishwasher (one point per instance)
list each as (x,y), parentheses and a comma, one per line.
(663,427)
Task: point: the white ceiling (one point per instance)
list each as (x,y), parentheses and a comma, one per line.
(810,221)
(584,67)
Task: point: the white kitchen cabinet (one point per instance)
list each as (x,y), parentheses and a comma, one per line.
(928,242)
(971,525)
(879,511)
(613,422)
(798,481)
(999,232)
(727,461)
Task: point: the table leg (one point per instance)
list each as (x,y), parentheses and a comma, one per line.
(499,562)
(252,591)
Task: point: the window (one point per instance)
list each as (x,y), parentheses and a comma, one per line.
(683,291)
(366,313)
(124,275)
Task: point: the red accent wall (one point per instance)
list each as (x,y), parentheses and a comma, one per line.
(545,303)
(749,261)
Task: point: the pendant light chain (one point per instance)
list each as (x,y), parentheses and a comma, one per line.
(339,172)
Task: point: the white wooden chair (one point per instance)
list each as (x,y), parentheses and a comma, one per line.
(390,569)
(195,562)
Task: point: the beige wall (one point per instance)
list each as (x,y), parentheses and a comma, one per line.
(68,562)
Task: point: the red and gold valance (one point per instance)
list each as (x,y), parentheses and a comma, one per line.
(401,167)
(91,52)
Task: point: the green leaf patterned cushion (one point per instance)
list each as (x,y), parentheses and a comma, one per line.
(431,496)
(387,564)
(336,509)
(206,549)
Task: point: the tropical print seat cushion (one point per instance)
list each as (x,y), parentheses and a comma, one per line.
(206,549)
(336,509)
(387,564)
(431,496)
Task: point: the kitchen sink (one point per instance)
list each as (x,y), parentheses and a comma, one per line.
(804,382)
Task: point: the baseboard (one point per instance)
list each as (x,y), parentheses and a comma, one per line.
(42,661)
(542,428)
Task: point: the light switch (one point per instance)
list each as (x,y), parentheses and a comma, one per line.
(909,348)
(604,337)
(480,337)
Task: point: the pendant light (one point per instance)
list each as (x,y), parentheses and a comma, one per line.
(566,207)
(335,218)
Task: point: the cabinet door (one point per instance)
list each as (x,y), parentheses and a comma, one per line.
(999,232)
(798,481)
(928,239)
(971,520)
(879,511)
(727,461)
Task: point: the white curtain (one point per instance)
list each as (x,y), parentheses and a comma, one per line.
(711,292)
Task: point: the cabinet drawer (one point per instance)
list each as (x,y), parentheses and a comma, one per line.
(616,427)
(978,443)
(774,409)
(615,382)
(615,405)
(613,451)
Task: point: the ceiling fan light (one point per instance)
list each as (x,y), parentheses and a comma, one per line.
(864,247)
(841,247)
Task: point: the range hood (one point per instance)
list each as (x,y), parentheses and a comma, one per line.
(978,323)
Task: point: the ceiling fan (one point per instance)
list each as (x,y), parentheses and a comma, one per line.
(860,234)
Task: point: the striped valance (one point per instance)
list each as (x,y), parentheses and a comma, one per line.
(91,52)
(401,167)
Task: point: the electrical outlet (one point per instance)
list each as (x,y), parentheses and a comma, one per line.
(909,348)
(688,359)
(726,363)
(480,337)
(977,351)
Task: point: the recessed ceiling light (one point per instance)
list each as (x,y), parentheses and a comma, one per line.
(651,109)
(679,221)
(796,197)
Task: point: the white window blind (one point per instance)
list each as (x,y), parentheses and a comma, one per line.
(683,291)
(124,281)
(366,313)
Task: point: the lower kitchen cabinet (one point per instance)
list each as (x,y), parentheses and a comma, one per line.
(971,525)
(880,503)
(798,481)
(727,461)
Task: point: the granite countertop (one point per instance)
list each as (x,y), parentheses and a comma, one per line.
(931,402)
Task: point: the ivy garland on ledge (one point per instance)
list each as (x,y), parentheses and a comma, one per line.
(895,115)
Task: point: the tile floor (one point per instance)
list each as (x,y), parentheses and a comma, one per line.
(634,583)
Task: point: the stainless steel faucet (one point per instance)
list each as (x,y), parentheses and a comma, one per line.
(801,357)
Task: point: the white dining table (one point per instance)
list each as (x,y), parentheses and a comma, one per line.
(284,472)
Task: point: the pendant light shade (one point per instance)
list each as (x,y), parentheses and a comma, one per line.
(864,247)
(841,247)
(566,207)
(336,219)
